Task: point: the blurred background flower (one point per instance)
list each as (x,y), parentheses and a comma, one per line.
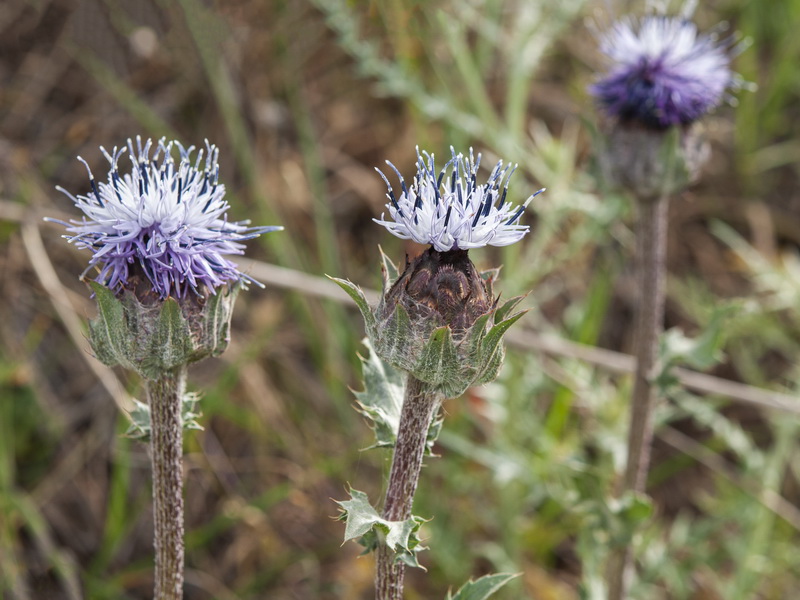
(662,71)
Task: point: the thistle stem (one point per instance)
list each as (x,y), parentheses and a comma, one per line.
(419,407)
(166,445)
(651,245)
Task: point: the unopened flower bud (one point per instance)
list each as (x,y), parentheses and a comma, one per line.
(440,288)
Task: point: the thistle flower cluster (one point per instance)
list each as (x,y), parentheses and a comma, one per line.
(163,221)
(451,211)
(157,233)
(438,319)
(663,72)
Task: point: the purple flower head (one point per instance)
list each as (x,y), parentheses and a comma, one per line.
(451,211)
(164,220)
(663,71)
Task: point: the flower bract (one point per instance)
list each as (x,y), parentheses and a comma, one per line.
(447,334)
(663,72)
(163,221)
(449,210)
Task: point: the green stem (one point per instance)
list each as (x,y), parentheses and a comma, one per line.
(166,446)
(651,242)
(419,407)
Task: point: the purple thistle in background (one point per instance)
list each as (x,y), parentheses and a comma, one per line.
(451,211)
(663,77)
(663,72)
(163,220)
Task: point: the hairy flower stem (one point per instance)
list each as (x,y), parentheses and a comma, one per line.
(165,395)
(419,407)
(651,246)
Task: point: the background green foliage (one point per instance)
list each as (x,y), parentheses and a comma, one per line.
(304,99)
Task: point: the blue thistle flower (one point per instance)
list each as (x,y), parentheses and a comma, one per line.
(663,71)
(451,211)
(163,220)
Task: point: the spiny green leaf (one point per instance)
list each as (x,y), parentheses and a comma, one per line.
(218,317)
(382,398)
(489,276)
(171,343)
(139,428)
(359,298)
(140,421)
(627,514)
(477,332)
(503,311)
(491,367)
(438,362)
(701,352)
(109,333)
(363,521)
(495,336)
(483,587)
(434,430)
(381,401)
(395,339)
(190,412)
(358,514)
(636,508)
(389,271)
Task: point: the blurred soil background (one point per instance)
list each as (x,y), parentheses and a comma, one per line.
(304,100)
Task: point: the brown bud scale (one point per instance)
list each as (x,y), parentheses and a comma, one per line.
(444,287)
